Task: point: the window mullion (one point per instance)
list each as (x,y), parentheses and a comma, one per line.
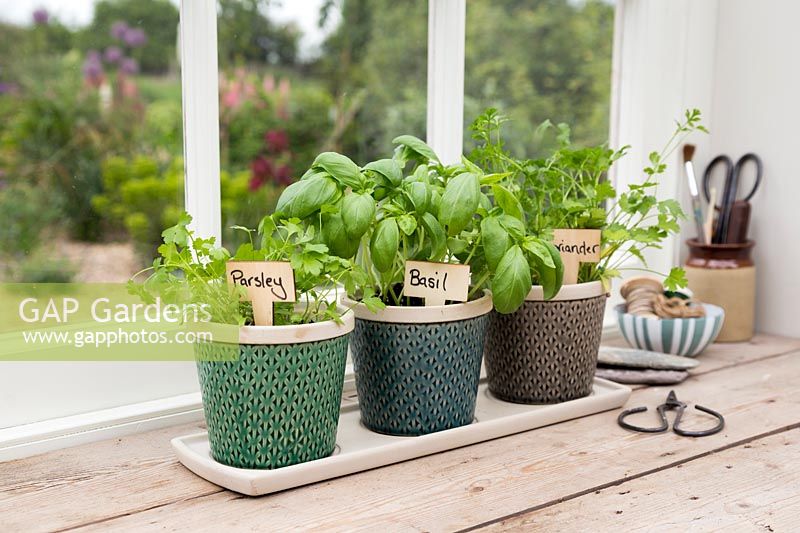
(446,40)
(200,86)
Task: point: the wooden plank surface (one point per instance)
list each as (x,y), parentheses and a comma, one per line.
(752,487)
(88,483)
(136,483)
(466,487)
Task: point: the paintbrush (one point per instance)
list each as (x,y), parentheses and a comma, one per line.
(688,153)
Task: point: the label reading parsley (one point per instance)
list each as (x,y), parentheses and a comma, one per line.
(576,246)
(266,282)
(436,282)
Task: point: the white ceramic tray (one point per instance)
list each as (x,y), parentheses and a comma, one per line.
(359,449)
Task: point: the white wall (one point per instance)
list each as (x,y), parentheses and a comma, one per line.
(756,107)
(737,61)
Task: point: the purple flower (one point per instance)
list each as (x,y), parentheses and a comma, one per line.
(135,37)
(41,16)
(93,68)
(6,87)
(119,29)
(128,65)
(112,54)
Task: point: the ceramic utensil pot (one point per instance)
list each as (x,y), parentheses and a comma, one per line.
(273,399)
(417,368)
(724,275)
(546,351)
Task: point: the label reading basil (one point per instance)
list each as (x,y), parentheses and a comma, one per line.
(437,282)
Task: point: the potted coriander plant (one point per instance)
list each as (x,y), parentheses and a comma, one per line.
(546,352)
(271,393)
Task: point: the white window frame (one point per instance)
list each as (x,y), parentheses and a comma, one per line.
(199,78)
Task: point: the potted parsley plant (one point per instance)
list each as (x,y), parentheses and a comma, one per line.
(271,393)
(546,351)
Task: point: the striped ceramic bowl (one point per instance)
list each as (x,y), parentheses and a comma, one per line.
(679,336)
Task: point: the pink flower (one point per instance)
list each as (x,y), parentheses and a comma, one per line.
(277,141)
(283,175)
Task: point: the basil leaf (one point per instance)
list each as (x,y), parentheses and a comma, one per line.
(550,273)
(457,246)
(334,235)
(310,196)
(459,202)
(496,241)
(388,168)
(512,281)
(436,235)
(539,249)
(434,203)
(287,197)
(418,194)
(407,224)
(341,168)
(384,244)
(423,151)
(513,226)
(508,202)
(358,211)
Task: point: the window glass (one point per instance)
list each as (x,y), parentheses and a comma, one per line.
(90,137)
(298,78)
(539,60)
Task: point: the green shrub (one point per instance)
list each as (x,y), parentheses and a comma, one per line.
(140,198)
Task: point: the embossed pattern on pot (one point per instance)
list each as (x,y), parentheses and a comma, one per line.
(414,379)
(546,352)
(277,405)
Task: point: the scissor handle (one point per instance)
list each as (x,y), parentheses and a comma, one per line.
(727,163)
(701,433)
(660,429)
(759,172)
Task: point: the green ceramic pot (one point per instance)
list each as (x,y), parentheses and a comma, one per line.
(417,368)
(278,403)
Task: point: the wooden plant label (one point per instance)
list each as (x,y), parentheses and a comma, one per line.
(576,246)
(266,282)
(436,282)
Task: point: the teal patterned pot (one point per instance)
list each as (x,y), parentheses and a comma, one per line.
(278,403)
(417,368)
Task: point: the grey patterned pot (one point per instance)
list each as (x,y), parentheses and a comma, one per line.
(546,351)
(273,399)
(417,368)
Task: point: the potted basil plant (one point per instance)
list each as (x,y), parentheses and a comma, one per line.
(546,352)
(417,366)
(271,394)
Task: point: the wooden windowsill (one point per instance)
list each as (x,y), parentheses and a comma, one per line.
(586,474)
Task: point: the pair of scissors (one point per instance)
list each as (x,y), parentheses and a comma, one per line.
(730,188)
(672,404)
